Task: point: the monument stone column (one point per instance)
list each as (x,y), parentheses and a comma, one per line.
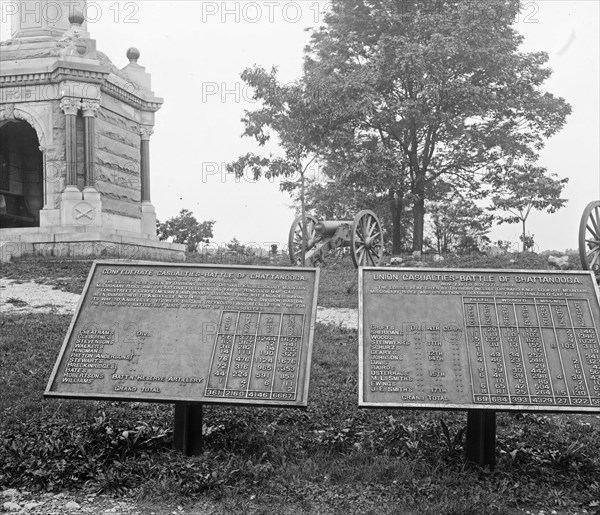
(92,199)
(148,212)
(145,133)
(71,196)
(89,109)
(70,107)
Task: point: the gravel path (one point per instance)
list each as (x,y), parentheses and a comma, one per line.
(30,297)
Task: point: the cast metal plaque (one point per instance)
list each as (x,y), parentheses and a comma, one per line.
(479,339)
(190,333)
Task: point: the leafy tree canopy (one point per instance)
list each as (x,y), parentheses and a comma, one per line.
(185,229)
(287,113)
(520,189)
(431,90)
(457,224)
(284,113)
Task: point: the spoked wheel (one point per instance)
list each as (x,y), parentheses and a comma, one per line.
(589,238)
(367,239)
(295,238)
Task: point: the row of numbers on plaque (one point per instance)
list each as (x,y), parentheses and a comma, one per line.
(256,356)
(532,351)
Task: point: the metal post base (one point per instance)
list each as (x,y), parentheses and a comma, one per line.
(187,428)
(480,446)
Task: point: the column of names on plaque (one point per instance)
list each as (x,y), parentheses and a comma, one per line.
(536,351)
(419,361)
(256,355)
(88,360)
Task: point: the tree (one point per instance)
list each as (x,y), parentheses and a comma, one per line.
(437,90)
(457,224)
(519,189)
(237,246)
(185,229)
(285,112)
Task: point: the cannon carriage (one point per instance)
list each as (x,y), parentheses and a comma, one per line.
(363,236)
(589,238)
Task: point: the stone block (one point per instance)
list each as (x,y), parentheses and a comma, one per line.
(70,237)
(103,248)
(120,184)
(78,212)
(10,234)
(112,133)
(105,116)
(112,236)
(90,194)
(148,225)
(35,236)
(49,218)
(122,147)
(119,223)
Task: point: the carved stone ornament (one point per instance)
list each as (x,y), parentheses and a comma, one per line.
(71,43)
(89,107)
(146,132)
(7,112)
(84,213)
(70,106)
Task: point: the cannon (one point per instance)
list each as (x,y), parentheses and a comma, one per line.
(363,236)
(589,238)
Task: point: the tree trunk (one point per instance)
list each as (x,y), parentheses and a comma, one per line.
(397,209)
(303,215)
(419,212)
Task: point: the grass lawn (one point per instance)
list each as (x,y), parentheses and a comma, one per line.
(329,458)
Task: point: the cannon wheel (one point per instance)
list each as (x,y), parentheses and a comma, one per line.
(367,239)
(589,238)
(295,238)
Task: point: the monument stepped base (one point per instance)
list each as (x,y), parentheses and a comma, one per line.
(82,243)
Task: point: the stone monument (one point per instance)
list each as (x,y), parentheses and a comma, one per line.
(74,142)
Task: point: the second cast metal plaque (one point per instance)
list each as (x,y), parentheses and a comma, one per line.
(484,339)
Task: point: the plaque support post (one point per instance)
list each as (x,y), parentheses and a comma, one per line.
(480,446)
(187,428)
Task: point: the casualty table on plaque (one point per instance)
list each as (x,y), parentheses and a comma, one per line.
(479,339)
(190,333)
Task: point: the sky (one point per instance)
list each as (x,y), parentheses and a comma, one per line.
(196,50)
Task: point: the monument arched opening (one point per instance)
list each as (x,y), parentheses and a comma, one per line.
(21,175)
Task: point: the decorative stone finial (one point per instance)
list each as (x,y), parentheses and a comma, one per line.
(76,17)
(136,72)
(133,54)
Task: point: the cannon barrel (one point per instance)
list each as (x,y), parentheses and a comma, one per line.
(328,227)
(363,235)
